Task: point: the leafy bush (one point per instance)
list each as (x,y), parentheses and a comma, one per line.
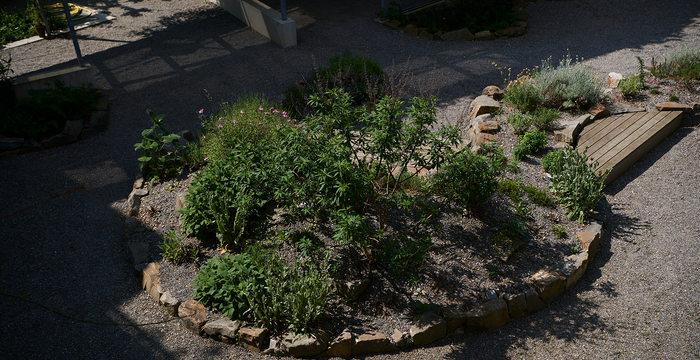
(522,95)
(558,232)
(530,143)
(258,285)
(17,26)
(8,99)
(223,281)
(360,77)
(520,122)
(157,160)
(684,65)
(47,110)
(475,15)
(630,84)
(467,179)
(543,117)
(569,85)
(537,196)
(553,161)
(406,257)
(511,189)
(575,183)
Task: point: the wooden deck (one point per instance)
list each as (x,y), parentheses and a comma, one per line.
(619,141)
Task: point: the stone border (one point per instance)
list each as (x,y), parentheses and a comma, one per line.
(73,131)
(548,284)
(463,34)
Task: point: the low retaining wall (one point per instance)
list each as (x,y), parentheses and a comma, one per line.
(72,76)
(262,19)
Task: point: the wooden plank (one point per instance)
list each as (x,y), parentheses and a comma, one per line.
(591,130)
(644,125)
(643,144)
(614,134)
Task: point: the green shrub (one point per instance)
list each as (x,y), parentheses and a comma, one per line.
(630,84)
(576,184)
(521,95)
(511,189)
(360,77)
(8,99)
(467,179)
(47,110)
(17,26)
(543,117)
(156,160)
(553,161)
(520,122)
(406,257)
(531,142)
(569,85)
(684,65)
(222,283)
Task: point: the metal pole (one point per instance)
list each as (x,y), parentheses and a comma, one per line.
(43,16)
(383,6)
(72,33)
(283,5)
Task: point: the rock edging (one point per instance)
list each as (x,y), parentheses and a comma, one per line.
(548,284)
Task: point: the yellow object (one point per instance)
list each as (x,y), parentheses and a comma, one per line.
(75,10)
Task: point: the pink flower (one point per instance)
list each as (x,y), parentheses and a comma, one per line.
(204,137)
(275,111)
(219,119)
(267,113)
(201,111)
(259,123)
(234,121)
(241,111)
(220,126)
(284,115)
(260,108)
(206,158)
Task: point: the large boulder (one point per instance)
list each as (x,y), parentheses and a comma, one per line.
(192,315)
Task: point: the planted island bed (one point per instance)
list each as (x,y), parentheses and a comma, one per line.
(274,217)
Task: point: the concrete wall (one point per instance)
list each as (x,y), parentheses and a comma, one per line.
(72,76)
(262,19)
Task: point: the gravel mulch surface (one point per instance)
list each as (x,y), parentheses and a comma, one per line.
(176,57)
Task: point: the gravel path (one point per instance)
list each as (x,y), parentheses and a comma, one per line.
(176,57)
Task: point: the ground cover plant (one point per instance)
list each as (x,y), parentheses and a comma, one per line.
(683,66)
(567,84)
(20,24)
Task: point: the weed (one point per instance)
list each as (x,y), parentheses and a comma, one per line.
(172,249)
(575,249)
(511,189)
(520,122)
(673,98)
(521,95)
(630,84)
(422,307)
(543,117)
(558,232)
(160,156)
(512,166)
(684,66)
(654,91)
(522,210)
(493,270)
(537,196)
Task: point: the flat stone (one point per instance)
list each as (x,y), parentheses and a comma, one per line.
(488,316)
(584,120)
(590,242)
(151,269)
(411,31)
(187,135)
(488,126)
(517,305)
(425,35)
(534,303)
(9,154)
(179,201)
(549,283)
(150,281)
(485,35)
(222,327)
(73,128)
(458,35)
(59,140)
(483,104)
(674,106)
(393,23)
(567,132)
(169,303)
(352,290)
(599,112)
(131,226)
(98,121)
(275,348)
(341,346)
(455,317)
(368,343)
(614,79)
(600,212)
(11,143)
(484,138)
(620,108)
(521,23)
(138,252)
(253,338)
(428,327)
(493,91)
(192,316)
(308,345)
(402,340)
(30,145)
(133,205)
(573,267)
(139,192)
(560,146)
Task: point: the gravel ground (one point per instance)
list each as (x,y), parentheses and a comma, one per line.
(639,300)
